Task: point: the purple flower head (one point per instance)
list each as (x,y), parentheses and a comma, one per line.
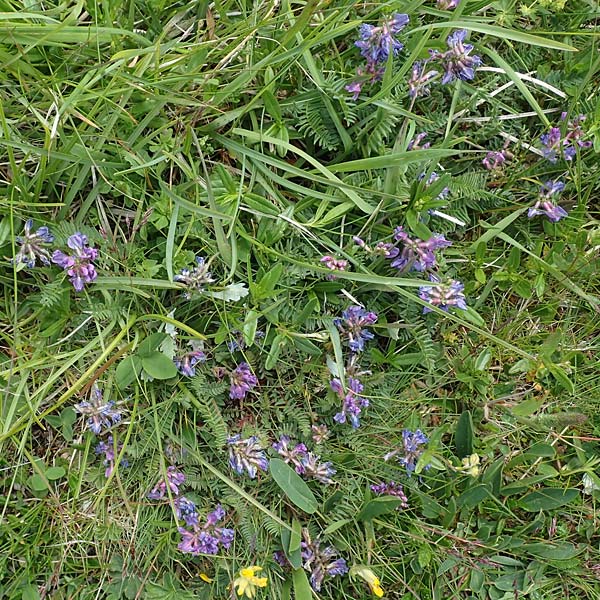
(421,77)
(352,401)
(173,480)
(32,246)
(411,450)
(493,161)
(185,510)
(551,144)
(108,449)
(205,539)
(246,455)
(291,453)
(443,295)
(320,562)
(378,43)
(335,264)
(355,89)
(415,143)
(312,467)
(555,145)
(226,537)
(447,4)
(195,279)
(215,516)
(197,542)
(242,381)
(431,180)
(417,255)
(457,62)
(352,325)
(78,265)
(545,205)
(102,415)
(391,489)
(187,362)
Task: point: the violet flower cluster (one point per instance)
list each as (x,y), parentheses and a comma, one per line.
(353,325)
(206,539)
(186,362)
(173,480)
(545,204)
(242,381)
(417,142)
(108,449)
(555,145)
(494,160)
(352,401)
(304,462)
(411,451)
(101,415)
(246,455)
(443,295)
(417,254)
(33,246)
(334,264)
(79,264)
(195,279)
(377,44)
(391,488)
(320,561)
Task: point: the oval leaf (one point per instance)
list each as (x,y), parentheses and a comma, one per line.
(159,366)
(293,486)
(548,499)
(378,506)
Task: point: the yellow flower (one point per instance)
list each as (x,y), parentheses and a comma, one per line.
(470,465)
(247,582)
(372,580)
(205,577)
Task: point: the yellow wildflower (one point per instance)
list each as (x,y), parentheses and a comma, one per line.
(470,465)
(248,582)
(367,575)
(205,577)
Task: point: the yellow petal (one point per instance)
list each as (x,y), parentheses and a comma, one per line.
(205,577)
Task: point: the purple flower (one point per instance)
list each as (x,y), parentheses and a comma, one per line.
(195,279)
(242,381)
(102,415)
(174,479)
(443,295)
(447,4)
(555,146)
(411,450)
(391,489)
(320,562)
(197,542)
(551,144)
(312,467)
(457,62)
(205,539)
(494,160)
(246,455)
(378,43)
(32,246)
(545,205)
(431,180)
(291,454)
(417,254)
(420,79)
(187,362)
(415,143)
(352,325)
(355,89)
(185,510)
(335,264)
(108,449)
(352,401)
(238,342)
(79,265)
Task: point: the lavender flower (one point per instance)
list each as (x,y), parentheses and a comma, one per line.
(312,467)
(431,180)
(418,84)
(187,362)
(555,146)
(246,455)
(197,542)
(291,454)
(545,205)
(102,415)
(355,89)
(173,480)
(415,143)
(195,279)
(443,295)
(378,43)
(457,62)
(352,325)
(447,4)
(208,538)
(551,144)
(242,381)
(391,489)
(493,161)
(320,562)
(79,265)
(352,401)
(185,510)
(335,264)
(411,450)
(417,254)
(108,449)
(32,246)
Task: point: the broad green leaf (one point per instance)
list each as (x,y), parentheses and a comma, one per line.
(474,496)
(336,525)
(127,371)
(150,344)
(464,435)
(38,483)
(559,551)
(232,293)
(377,507)
(293,486)
(296,535)
(250,326)
(159,366)
(548,499)
(54,473)
(294,556)
(541,449)
(279,341)
(302,589)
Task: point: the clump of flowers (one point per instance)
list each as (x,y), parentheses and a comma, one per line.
(555,145)
(247,583)
(545,204)
(174,478)
(416,142)
(353,325)
(78,265)
(101,415)
(420,79)
(391,488)
(443,295)
(494,160)
(417,254)
(457,60)
(377,44)
(242,381)
(195,279)
(352,401)
(304,462)
(208,538)
(335,264)
(108,449)
(33,246)
(185,510)
(186,362)
(320,561)
(411,451)
(246,455)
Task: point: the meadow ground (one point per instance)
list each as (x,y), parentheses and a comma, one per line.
(300,299)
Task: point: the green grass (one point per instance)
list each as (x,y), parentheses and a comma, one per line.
(168,131)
